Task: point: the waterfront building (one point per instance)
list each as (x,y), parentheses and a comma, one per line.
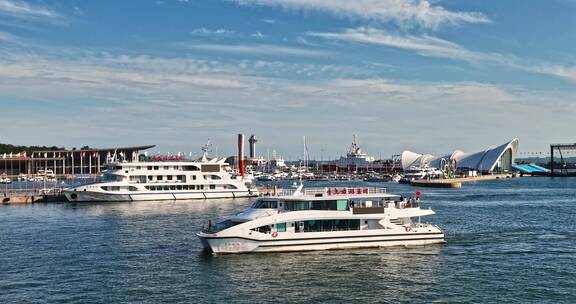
(496,159)
(66,162)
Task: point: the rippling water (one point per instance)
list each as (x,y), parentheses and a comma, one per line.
(507,241)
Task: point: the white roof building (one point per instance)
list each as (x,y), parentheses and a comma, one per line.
(494,159)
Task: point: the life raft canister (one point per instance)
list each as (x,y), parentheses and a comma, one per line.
(274,234)
(408,228)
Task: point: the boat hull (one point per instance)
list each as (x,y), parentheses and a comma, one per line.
(91,196)
(244,245)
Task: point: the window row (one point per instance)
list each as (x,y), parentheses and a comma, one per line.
(313,226)
(119,188)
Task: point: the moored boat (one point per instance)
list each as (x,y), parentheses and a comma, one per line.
(164,180)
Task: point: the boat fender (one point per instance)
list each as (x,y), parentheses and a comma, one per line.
(274,234)
(408,228)
(74,196)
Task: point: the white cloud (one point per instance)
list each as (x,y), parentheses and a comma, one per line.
(21,9)
(426,45)
(204,32)
(562,71)
(423,45)
(184,97)
(258,35)
(257,49)
(405,13)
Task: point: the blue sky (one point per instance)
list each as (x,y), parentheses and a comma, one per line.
(430,76)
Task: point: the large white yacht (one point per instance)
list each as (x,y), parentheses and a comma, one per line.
(321,219)
(164,180)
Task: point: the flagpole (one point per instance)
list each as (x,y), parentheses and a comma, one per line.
(81,163)
(90,163)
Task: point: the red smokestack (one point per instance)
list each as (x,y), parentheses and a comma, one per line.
(241,154)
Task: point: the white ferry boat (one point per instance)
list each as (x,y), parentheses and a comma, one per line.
(164,180)
(322,219)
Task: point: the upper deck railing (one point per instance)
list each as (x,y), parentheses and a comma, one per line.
(328,191)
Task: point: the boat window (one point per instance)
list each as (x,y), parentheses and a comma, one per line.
(181,178)
(230,187)
(210,168)
(328,225)
(281,227)
(150,177)
(138,167)
(132,188)
(138,178)
(225,225)
(166,167)
(178,187)
(297,205)
(166,188)
(149,167)
(156,167)
(263,229)
(173,187)
(190,168)
(265,204)
(193,177)
(212,187)
(169,177)
(159,177)
(112,178)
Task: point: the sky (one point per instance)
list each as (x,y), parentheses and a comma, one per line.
(424,75)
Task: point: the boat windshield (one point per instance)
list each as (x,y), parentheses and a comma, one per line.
(224,225)
(265,204)
(111,178)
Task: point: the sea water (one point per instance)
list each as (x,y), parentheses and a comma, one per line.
(508,241)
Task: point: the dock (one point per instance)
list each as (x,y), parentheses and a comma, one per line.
(14,197)
(457,182)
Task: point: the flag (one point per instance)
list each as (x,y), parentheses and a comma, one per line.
(45,155)
(94,154)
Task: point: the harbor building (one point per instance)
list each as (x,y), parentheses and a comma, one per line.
(66,162)
(496,159)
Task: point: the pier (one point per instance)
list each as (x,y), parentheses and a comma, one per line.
(457,182)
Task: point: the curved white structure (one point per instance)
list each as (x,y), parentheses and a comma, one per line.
(163,180)
(494,159)
(321,219)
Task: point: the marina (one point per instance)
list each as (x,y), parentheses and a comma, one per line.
(287,151)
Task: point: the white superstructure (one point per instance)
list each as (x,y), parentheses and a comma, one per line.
(164,180)
(321,219)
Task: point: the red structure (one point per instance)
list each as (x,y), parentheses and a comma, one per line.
(241,154)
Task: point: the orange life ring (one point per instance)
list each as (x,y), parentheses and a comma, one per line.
(274,234)
(408,228)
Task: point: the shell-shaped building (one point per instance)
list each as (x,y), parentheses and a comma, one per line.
(494,159)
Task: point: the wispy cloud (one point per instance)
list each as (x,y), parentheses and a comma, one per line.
(23,10)
(204,32)
(426,45)
(563,71)
(405,13)
(257,49)
(423,45)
